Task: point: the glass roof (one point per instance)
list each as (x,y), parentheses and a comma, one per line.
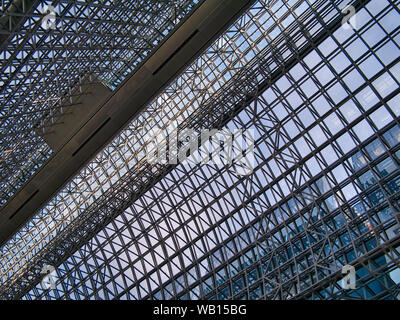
(39,67)
(124,158)
(201,230)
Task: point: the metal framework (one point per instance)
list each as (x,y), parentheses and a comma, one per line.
(323,101)
(40,68)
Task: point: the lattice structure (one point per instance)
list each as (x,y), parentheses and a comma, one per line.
(323,101)
(39,68)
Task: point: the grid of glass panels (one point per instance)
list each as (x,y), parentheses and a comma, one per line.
(125,157)
(324,192)
(39,68)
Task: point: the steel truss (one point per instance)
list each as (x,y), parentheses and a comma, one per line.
(283,232)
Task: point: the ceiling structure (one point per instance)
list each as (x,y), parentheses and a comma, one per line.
(42,71)
(97,114)
(323,103)
(201,28)
(106,40)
